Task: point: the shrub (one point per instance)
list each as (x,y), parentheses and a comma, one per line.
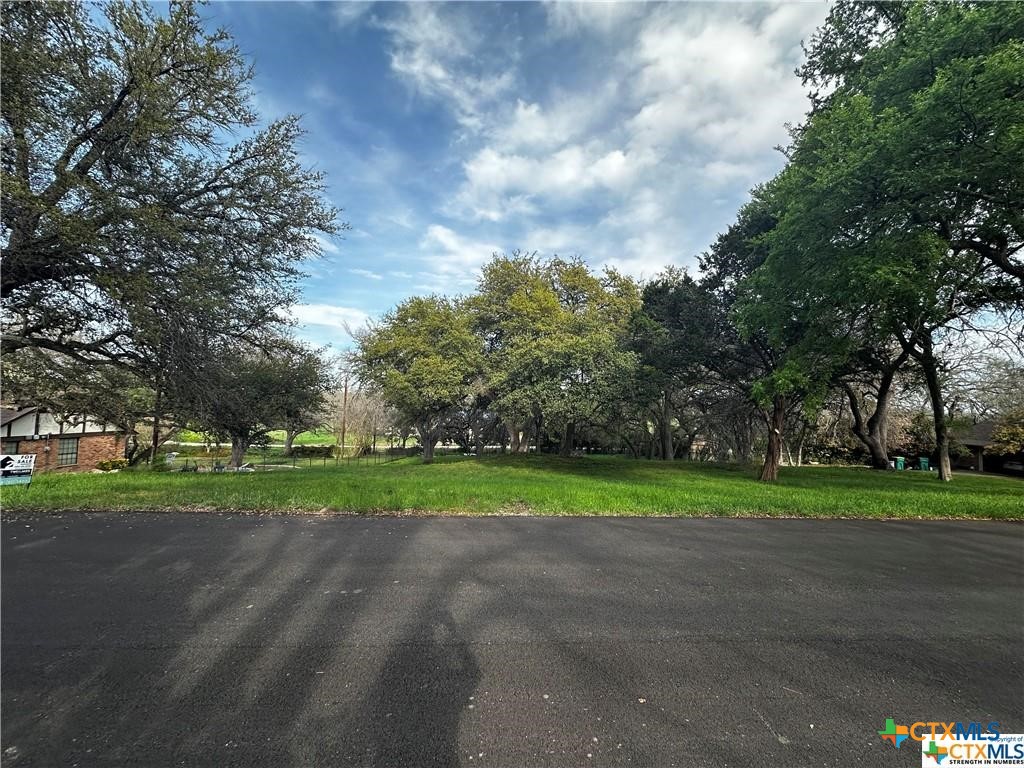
(313,451)
(110,464)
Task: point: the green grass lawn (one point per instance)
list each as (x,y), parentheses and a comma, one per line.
(541,485)
(316,437)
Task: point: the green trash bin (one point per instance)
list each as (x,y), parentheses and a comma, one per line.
(901,462)
(923,463)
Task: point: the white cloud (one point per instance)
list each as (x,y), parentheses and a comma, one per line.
(722,172)
(367,274)
(570,18)
(326,245)
(321,95)
(646,253)
(533,127)
(329,316)
(434,50)
(563,239)
(625,166)
(454,260)
(722,79)
(348,12)
(499,184)
(646,209)
(402,217)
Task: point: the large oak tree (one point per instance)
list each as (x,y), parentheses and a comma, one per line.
(141,199)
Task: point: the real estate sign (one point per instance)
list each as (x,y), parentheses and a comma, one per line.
(16,469)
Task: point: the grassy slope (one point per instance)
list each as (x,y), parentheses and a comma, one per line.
(540,485)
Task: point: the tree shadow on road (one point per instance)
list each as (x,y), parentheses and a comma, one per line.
(260,658)
(419,697)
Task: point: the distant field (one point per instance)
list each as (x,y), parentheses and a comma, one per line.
(541,485)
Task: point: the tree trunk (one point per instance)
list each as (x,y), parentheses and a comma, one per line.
(157,407)
(428,438)
(632,448)
(667,453)
(869,434)
(686,446)
(745,442)
(289,438)
(931,374)
(238,449)
(568,439)
(874,433)
(773,457)
(513,434)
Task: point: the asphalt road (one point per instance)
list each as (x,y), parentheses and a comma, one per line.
(208,640)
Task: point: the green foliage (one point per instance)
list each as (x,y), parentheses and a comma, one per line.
(901,211)
(247,391)
(135,231)
(1008,435)
(924,137)
(107,393)
(424,360)
(920,439)
(111,464)
(313,451)
(675,331)
(555,336)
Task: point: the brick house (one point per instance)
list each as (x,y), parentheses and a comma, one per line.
(61,443)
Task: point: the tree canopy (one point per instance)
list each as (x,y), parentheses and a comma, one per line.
(128,212)
(425,361)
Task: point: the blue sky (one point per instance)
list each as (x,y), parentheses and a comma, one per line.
(628,134)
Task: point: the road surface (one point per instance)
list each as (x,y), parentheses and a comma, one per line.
(223,640)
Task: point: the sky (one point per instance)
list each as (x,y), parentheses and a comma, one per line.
(627,134)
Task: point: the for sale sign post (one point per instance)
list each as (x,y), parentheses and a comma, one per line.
(16,469)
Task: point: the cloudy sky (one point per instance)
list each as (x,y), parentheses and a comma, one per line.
(625,133)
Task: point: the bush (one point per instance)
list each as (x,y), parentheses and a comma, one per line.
(110,464)
(313,451)
(160,464)
(412,450)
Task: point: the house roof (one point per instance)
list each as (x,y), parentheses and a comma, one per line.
(10,414)
(978,435)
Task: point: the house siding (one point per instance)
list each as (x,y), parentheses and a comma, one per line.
(92,449)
